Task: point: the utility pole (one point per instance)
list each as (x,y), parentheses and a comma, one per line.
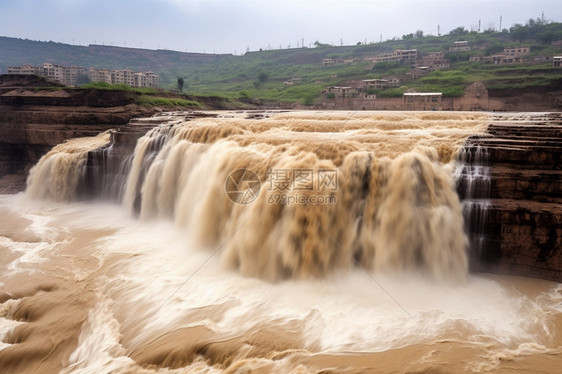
(501,23)
(479,24)
(302,43)
(438,30)
(542,18)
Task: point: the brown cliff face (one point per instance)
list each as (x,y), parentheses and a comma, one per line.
(533,99)
(520,222)
(33,120)
(36,114)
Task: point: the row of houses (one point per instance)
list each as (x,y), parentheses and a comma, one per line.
(124,76)
(292,81)
(68,75)
(410,100)
(424,63)
(399,55)
(421,65)
(360,88)
(509,56)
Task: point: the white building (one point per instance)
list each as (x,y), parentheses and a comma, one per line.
(68,75)
(460,46)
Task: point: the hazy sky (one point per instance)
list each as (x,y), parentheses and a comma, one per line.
(228,26)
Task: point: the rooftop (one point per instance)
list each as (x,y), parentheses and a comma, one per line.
(423,93)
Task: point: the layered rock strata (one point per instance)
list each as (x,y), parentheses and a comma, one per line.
(517,227)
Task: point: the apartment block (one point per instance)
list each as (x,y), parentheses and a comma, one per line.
(433,61)
(99,75)
(399,55)
(422,101)
(516,52)
(340,92)
(25,69)
(375,84)
(68,75)
(380,84)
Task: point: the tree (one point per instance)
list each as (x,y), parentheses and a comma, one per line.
(458,31)
(317,44)
(263,77)
(419,34)
(547,37)
(494,48)
(180,84)
(518,32)
(308,100)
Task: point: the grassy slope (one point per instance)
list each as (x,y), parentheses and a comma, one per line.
(236,75)
(149,96)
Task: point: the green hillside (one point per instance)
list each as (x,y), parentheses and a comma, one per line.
(262,74)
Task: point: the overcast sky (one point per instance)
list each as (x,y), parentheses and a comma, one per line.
(228,26)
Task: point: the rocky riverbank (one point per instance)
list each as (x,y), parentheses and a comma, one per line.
(32,122)
(36,114)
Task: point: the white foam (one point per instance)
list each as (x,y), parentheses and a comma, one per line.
(7,324)
(158,278)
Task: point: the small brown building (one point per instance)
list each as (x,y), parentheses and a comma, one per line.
(422,100)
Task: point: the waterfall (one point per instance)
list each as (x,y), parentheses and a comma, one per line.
(61,171)
(145,152)
(328,191)
(473,186)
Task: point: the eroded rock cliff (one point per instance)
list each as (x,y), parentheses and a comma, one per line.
(520,221)
(35,115)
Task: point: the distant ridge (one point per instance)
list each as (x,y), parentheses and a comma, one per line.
(16,51)
(168,51)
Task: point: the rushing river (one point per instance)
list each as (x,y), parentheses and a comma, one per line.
(296,242)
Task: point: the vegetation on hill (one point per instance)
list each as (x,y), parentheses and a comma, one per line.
(298,74)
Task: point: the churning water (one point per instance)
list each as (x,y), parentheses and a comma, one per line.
(340,246)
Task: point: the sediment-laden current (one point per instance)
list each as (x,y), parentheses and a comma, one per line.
(285,242)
